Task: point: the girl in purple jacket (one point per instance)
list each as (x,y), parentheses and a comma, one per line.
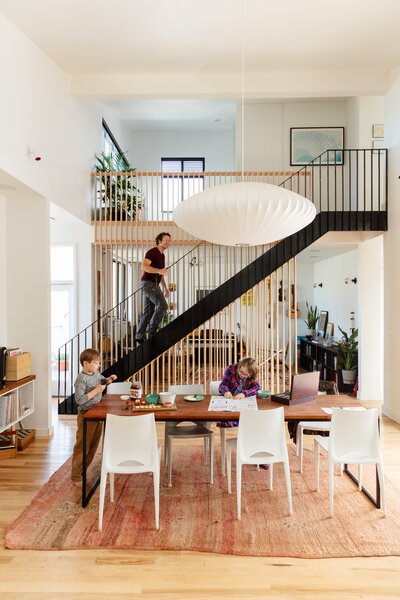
(239,381)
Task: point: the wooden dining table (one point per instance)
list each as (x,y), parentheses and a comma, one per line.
(198,411)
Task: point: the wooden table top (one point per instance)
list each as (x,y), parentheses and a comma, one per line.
(198,411)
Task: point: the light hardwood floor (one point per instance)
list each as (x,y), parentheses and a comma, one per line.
(120,575)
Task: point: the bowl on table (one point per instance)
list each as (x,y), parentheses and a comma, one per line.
(167,398)
(264,394)
(152,398)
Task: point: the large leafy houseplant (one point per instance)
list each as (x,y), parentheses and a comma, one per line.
(347,355)
(312,317)
(118,197)
(347,350)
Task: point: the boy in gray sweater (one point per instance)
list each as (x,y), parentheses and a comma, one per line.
(89,386)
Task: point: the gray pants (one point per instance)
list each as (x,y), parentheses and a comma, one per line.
(154,308)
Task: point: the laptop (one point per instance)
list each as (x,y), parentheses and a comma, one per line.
(304,388)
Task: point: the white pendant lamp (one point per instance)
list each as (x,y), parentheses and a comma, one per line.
(244,214)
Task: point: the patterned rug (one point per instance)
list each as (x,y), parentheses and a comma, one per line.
(197,516)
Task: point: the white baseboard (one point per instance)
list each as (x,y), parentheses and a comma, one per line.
(391,413)
(45,432)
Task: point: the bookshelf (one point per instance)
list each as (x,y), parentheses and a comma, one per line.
(317,357)
(16,403)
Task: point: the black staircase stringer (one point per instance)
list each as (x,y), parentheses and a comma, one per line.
(243,281)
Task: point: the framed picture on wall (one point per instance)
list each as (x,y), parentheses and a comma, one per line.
(322,323)
(378,131)
(308,143)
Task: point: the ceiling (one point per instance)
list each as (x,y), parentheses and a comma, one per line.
(180,36)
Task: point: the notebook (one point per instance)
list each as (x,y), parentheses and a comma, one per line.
(304,388)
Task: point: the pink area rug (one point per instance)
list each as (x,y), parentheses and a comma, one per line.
(197,516)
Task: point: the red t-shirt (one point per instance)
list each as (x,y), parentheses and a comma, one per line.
(157,259)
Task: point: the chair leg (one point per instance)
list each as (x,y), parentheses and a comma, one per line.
(165,443)
(316,463)
(228,468)
(205,444)
(300,440)
(112,487)
(360,474)
(211,443)
(156,483)
(169,459)
(288,485)
(271,477)
(331,468)
(382,486)
(103,483)
(223,447)
(239,487)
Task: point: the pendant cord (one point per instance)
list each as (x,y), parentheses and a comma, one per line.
(242,81)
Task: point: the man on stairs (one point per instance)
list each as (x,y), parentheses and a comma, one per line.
(154,300)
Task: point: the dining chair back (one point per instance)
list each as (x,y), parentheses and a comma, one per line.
(119,387)
(130,446)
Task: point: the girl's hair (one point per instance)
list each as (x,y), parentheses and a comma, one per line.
(251,366)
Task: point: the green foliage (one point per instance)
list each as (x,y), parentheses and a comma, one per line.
(312,316)
(347,350)
(117,193)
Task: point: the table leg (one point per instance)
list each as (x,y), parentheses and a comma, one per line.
(86,496)
(375,501)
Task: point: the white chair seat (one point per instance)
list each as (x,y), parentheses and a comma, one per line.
(354,439)
(261,438)
(304,426)
(119,387)
(130,446)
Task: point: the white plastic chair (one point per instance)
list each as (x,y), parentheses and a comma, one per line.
(354,439)
(130,446)
(174,429)
(261,439)
(120,387)
(214,391)
(308,425)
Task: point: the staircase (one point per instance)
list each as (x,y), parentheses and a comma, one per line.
(349,197)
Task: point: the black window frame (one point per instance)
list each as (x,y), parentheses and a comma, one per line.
(113,139)
(182,160)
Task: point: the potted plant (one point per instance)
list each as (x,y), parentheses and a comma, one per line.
(63,362)
(347,356)
(312,318)
(116,192)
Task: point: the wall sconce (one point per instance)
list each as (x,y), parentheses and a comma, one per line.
(317,285)
(350,280)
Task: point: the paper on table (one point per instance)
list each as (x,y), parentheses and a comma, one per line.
(328,411)
(221,404)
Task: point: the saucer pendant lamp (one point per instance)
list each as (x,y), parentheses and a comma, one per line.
(244,213)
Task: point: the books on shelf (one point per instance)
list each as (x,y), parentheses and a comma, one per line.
(14,351)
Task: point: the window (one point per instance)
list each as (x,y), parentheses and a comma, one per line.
(110,144)
(175,189)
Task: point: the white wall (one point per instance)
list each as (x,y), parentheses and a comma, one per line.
(305,293)
(362,113)
(3,271)
(391,255)
(28,299)
(267,129)
(148,147)
(370,319)
(338,298)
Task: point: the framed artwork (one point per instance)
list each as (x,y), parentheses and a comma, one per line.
(308,143)
(322,323)
(378,131)
(378,144)
(330,328)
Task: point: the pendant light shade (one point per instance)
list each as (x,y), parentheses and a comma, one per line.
(244,213)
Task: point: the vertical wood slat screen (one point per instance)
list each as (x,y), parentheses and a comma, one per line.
(203,355)
(123,236)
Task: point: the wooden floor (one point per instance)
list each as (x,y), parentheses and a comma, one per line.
(120,575)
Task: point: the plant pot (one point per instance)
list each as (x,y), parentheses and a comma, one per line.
(349,377)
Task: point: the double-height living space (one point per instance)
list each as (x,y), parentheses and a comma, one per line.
(111,120)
